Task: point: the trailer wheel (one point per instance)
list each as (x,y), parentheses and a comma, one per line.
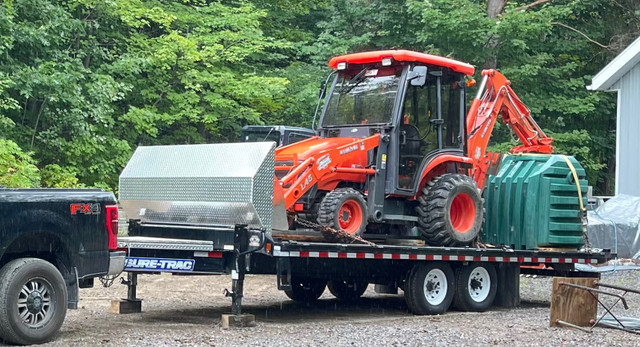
(306,289)
(349,290)
(476,287)
(33,301)
(430,288)
(344,209)
(450,211)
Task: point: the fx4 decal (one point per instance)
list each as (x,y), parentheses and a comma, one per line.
(91,208)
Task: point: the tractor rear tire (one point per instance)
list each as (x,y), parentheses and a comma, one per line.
(450,211)
(344,209)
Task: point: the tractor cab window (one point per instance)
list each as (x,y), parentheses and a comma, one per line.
(430,121)
(363,96)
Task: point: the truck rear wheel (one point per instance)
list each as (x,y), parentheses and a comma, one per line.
(306,289)
(344,209)
(33,301)
(450,211)
(349,290)
(429,288)
(476,287)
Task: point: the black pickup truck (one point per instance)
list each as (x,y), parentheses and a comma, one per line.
(52,242)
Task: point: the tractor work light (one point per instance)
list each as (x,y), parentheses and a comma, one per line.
(386,61)
(342,65)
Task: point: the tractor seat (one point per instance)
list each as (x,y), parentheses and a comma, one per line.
(412,142)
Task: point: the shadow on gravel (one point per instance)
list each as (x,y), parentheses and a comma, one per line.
(534,303)
(367,309)
(289,311)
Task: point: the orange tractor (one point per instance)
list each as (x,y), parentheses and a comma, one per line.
(396,148)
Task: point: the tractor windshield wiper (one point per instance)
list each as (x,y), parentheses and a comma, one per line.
(353,82)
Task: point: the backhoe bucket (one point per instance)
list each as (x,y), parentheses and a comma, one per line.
(209,185)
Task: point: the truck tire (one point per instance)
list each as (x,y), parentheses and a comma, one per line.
(349,290)
(344,209)
(450,211)
(476,287)
(429,288)
(306,289)
(33,301)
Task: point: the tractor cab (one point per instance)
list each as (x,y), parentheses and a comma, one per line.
(415,100)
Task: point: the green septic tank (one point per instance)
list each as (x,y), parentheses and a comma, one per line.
(532,202)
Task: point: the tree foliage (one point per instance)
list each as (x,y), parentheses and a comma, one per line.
(83,82)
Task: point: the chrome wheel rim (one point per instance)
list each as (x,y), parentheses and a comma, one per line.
(35,305)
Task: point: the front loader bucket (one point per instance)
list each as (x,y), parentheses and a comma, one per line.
(209,185)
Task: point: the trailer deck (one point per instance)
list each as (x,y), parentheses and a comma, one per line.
(389,267)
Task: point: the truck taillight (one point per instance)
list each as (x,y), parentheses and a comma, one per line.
(112,226)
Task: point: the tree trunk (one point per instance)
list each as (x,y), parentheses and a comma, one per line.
(494,9)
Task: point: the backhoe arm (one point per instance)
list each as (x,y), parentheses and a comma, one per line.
(494,97)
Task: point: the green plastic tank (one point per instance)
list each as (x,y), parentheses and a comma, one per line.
(532,202)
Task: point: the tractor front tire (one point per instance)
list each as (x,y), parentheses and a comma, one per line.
(450,211)
(344,209)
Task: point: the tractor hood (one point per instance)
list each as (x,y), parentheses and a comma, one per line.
(308,148)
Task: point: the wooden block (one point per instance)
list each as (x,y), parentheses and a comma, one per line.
(573,305)
(126,306)
(239,321)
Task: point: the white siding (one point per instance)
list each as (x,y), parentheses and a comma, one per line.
(628,139)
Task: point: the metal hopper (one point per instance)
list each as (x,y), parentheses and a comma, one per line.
(210,184)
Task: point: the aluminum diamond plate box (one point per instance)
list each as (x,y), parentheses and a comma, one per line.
(210,184)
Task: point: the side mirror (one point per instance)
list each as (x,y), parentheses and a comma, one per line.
(418,76)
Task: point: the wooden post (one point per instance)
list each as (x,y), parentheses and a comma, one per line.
(573,305)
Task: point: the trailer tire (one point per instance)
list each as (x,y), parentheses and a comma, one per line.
(476,287)
(32,289)
(429,288)
(306,289)
(349,290)
(344,209)
(450,211)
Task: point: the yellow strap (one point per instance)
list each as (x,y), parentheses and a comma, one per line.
(575,178)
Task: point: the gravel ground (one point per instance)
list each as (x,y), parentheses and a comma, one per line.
(186,311)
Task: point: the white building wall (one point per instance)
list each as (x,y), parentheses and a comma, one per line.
(628,138)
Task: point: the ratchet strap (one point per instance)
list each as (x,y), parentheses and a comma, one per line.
(575,179)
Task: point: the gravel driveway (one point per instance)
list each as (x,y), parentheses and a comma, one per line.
(186,310)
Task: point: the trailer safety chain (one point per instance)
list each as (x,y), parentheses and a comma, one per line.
(331,234)
(107,281)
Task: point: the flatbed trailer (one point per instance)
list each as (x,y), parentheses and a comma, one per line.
(429,276)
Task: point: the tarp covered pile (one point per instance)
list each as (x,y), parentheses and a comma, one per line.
(616,225)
